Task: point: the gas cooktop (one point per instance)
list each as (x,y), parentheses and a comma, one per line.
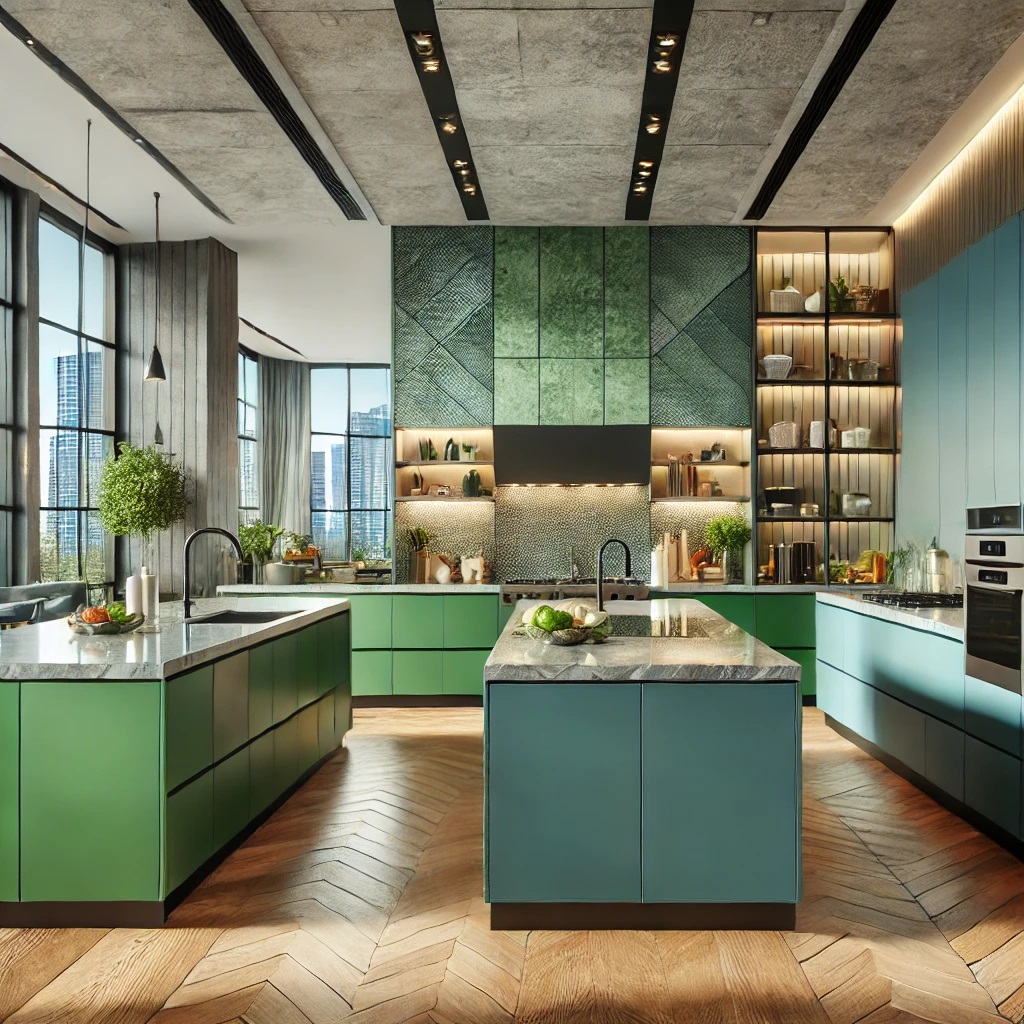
(580,581)
(916,600)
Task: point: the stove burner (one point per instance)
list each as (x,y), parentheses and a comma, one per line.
(549,582)
(916,600)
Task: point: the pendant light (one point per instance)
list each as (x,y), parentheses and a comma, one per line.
(155,366)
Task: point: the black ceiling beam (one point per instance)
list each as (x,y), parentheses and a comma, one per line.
(863,30)
(243,55)
(670,23)
(423,38)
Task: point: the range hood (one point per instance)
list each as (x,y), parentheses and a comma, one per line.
(572,455)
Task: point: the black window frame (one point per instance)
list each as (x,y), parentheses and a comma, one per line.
(246,355)
(387,510)
(7,427)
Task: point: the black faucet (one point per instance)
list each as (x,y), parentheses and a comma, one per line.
(188,559)
(600,568)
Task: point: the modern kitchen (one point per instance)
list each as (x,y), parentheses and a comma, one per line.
(511,512)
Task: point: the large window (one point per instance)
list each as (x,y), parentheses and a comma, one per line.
(6,390)
(76,404)
(248,425)
(351,461)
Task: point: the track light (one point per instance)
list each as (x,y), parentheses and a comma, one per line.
(654,124)
(423,43)
(661,67)
(448,125)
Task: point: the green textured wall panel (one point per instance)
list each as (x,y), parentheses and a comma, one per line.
(516,292)
(418,672)
(627,295)
(80,741)
(9,775)
(571,392)
(230,798)
(261,688)
(571,293)
(443,326)
(700,326)
(470,620)
(230,704)
(189,723)
(189,830)
(517,391)
(627,391)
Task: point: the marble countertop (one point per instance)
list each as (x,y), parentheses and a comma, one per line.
(717,651)
(948,622)
(361,588)
(50,651)
(747,588)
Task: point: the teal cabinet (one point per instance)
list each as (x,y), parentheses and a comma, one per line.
(737,608)
(830,635)
(731,756)
(785,620)
(1006,381)
(189,831)
(79,743)
(230,797)
(285,691)
(981,372)
(230,704)
(944,757)
(463,672)
(992,784)
(805,658)
(592,816)
(261,689)
(831,687)
(993,715)
(371,621)
(417,673)
(951,441)
(10,710)
(188,713)
(417,621)
(371,673)
(900,730)
(470,620)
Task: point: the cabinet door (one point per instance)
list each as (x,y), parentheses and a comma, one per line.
(944,757)
(830,634)
(562,811)
(371,673)
(417,672)
(325,725)
(471,620)
(721,793)
(463,672)
(505,612)
(737,608)
(981,371)
(831,688)
(309,738)
(189,830)
(188,717)
(308,668)
(786,620)
(1006,365)
(230,704)
(261,689)
(993,714)
(261,775)
(230,797)
(900,731)
(952,387)
(371,621)
(992,781)
(286,755)
(334,653)
(808,668)
(9,751)
(417,621)
(286,677)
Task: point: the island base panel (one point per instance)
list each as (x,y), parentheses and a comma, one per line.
(643,916)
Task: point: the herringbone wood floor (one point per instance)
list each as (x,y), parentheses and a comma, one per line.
(360,901)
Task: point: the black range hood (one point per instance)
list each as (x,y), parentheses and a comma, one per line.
(572,455)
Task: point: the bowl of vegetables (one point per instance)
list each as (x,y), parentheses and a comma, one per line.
(566,624)
(103,620)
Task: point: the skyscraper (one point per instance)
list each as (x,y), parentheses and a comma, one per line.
(370,468)
(318,481)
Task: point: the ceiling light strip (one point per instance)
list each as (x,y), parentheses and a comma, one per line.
(863,30)
(250,65)
(670,22)
(423,38)
(92,97)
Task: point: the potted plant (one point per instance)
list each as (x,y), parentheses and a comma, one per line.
(142,492)
(728,536)
(419,560)
(257,539)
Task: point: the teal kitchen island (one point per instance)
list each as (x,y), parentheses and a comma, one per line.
(129,765)
(652,781)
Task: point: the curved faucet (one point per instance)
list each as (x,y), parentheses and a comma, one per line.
(187,557)
(600,568)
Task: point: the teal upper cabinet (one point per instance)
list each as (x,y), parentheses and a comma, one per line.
(700,327)
(1007,364)
(571,293)
(951,467)
(981,368)
(516,293)
(443,326)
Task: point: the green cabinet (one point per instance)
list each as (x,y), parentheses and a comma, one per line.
(230,797)
(326,725)
(371,621)
(737,608)
(785,620)
(10,710)
(285,691)
(417,672)
(189,818)
(992,784)
(731,756)
(470,620)
(417,621)
(333,638)
(261,689)
(592,816)
(463,672)
(188,714)
(308,669)
(805,658)
(90,780)
(286,755)
(371,673)
(262,791)
(230,704)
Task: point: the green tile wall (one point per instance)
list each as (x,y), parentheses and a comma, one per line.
(571,391)
(516,292)
(627,293)
(517,391)
(571,293)
(627,391)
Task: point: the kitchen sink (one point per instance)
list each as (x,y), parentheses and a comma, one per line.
(236,618)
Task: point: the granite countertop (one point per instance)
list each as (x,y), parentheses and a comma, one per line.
(51,651)
(948,622)
(361,588)
(717,651)
(748,588)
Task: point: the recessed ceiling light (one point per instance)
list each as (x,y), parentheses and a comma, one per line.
(639,189)
(432,64)
(30,42)
(661,67)
(448,126)
(141,141)
(423,42)
(761,18)
(469,188)
(644,173)
(464,171)
(459,164)
(666,42)
(645,163)
(653,126)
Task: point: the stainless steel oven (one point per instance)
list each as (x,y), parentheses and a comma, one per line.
(994,571)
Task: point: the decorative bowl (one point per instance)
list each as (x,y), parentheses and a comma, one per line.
(563,637)
(78,625)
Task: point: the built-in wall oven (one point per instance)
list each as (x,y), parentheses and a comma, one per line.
(994,576)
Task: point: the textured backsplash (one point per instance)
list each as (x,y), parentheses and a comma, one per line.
(693,518)
(537,526)
(455,529)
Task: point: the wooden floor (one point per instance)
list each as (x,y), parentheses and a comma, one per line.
(360,901)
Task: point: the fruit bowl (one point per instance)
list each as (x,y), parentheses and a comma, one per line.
(563,637)
(78,625)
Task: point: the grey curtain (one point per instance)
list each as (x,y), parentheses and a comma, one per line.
(284,443)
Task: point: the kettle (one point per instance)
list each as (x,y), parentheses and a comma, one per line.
(938,569)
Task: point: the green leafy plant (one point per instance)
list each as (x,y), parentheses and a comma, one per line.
(727,533)
(419,538)
(359,555)
(257,539)
(839,299)
(141,492)
(298,541)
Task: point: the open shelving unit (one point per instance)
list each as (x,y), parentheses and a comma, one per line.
(440,471)
(845,371)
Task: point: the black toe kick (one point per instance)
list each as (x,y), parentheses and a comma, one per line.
(515,917)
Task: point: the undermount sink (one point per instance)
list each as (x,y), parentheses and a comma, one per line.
(236,618)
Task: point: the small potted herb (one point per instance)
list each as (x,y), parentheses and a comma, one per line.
(728,536)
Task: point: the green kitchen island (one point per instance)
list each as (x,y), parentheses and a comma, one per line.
(652,781)
(130,765)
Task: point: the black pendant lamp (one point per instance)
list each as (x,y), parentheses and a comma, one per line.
(155,366)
